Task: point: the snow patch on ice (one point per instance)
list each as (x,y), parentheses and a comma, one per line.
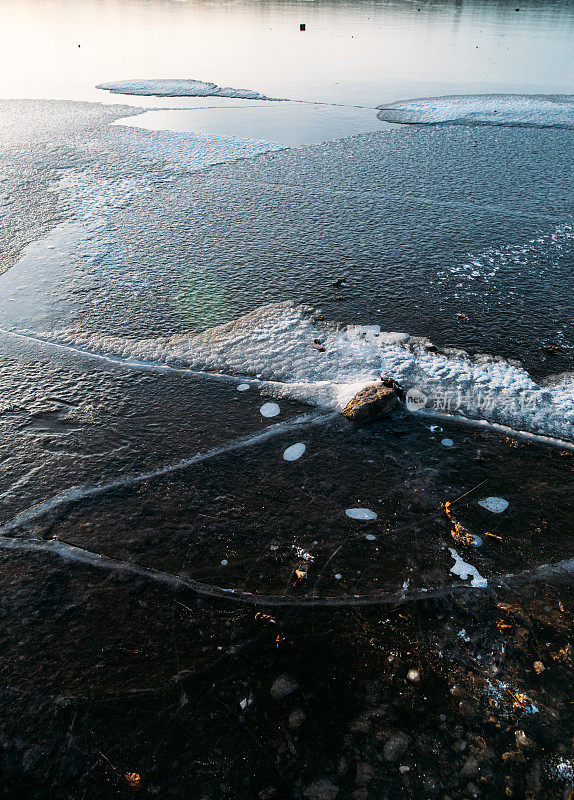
(361,513)
(274,344)
(179,87)
(495,504)
(269,410)
(484,109)
(465,571)
(294,452)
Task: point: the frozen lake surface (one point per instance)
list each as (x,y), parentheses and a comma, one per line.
(196,548)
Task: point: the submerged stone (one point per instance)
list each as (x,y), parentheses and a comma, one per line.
(372,401)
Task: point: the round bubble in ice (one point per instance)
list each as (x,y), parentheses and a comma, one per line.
(361,513)
(338,576)
(447,442)
(270,410)
(370,537)
(294,452)
(243,387)
(223,562)
(495,504)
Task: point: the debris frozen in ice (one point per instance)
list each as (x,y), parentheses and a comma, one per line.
(464,570)
(447,442)
(270,410)
(361,513)
(294,452)
(300,553)
(495,504)
(435,429)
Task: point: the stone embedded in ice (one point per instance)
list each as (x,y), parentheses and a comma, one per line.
(243,387)
(361,513)
(294,452)
(270,410)
(447,442)
(495,504)
(372,401)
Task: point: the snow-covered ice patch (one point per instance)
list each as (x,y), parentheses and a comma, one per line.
(484,109)
(179,87)
(274,345)
(361,513)
(294,452)
(269,410)
(465,571)
(495,504)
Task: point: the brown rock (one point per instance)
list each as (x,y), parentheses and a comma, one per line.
(372,401)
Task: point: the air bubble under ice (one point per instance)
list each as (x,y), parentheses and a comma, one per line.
(361,513)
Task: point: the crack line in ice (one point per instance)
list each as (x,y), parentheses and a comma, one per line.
(77,493)
(378,196)
(561,570)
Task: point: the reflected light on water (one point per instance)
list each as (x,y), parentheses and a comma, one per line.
(350,52)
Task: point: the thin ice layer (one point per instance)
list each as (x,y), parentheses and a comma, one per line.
(277,344)
(484,109)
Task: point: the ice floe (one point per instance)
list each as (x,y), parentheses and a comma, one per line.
(495,504)
(269,410)
(274,344)
(483,109)
(294,452)
(361,513)
(179,87)
(465,571)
